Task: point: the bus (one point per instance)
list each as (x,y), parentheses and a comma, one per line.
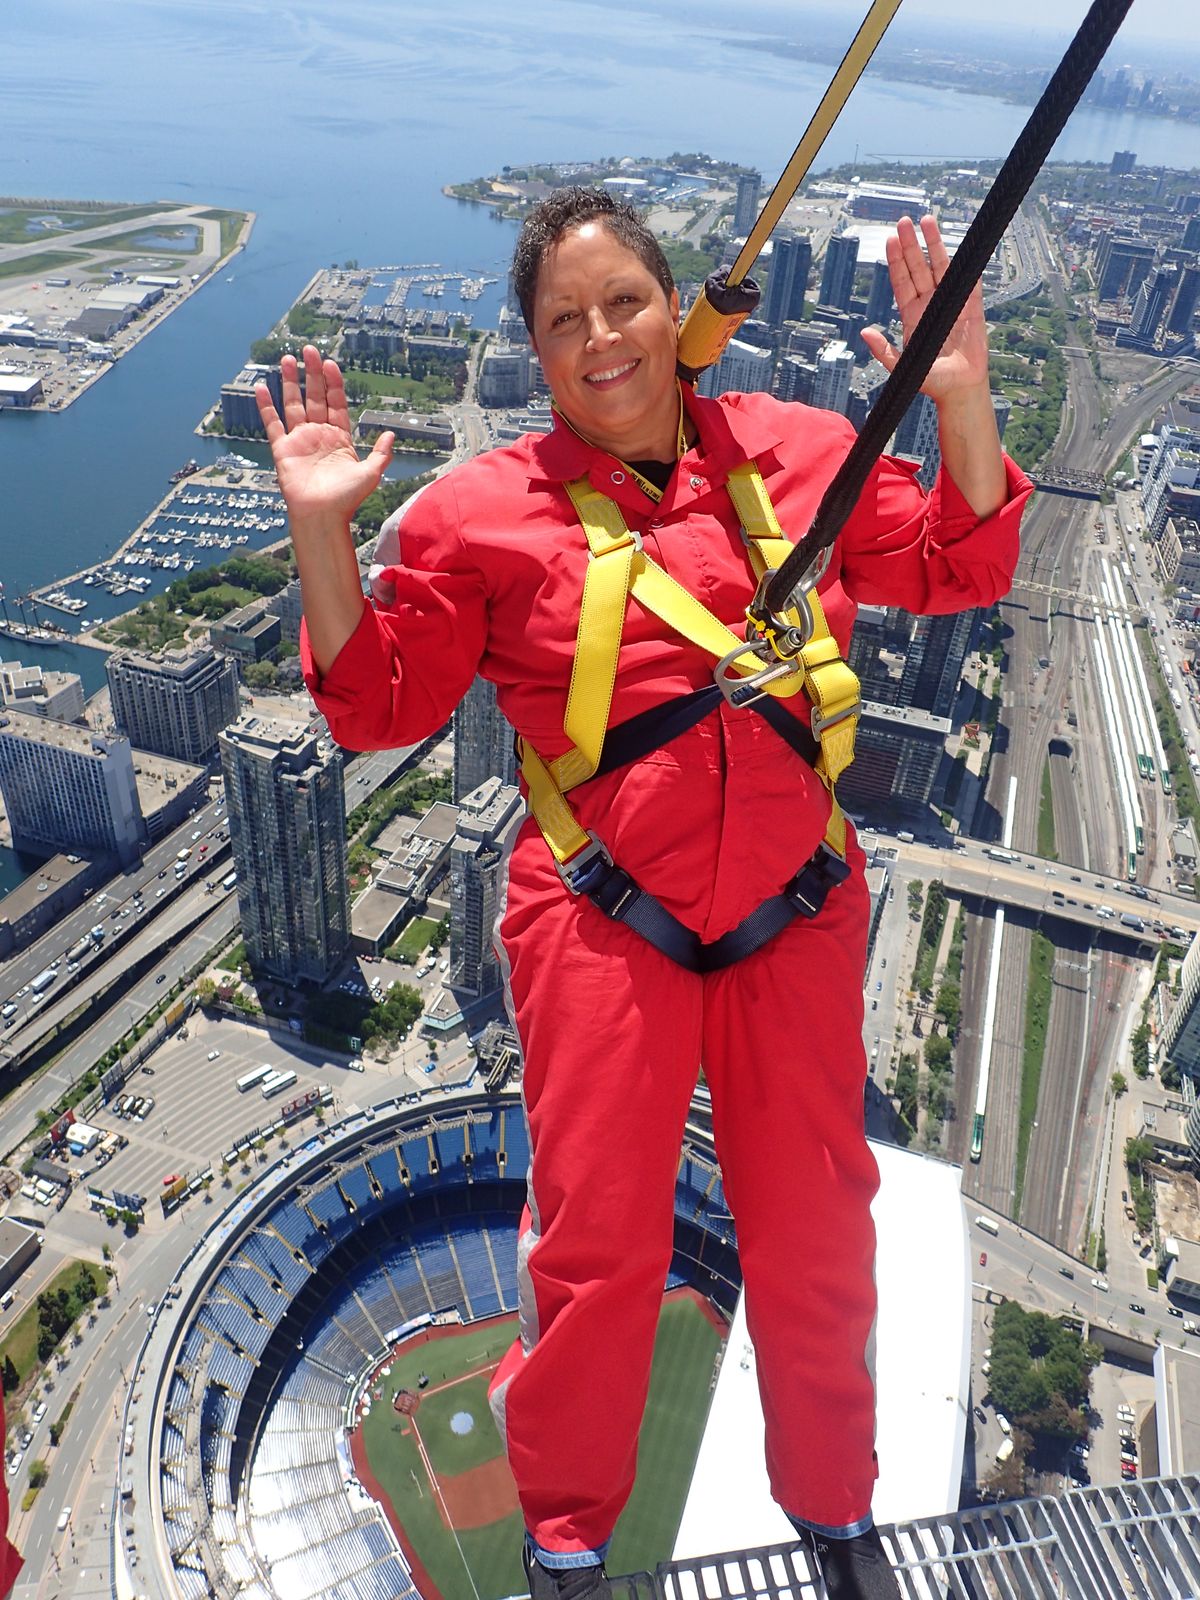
(277,1083)
(997,853)
(251,1080)
(228,882)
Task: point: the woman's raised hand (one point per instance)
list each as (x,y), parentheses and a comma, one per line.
(320,473)
(915,273)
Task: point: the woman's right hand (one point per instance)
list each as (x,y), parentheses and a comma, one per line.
(321,476)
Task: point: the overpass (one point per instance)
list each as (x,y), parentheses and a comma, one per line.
(1071,481)
(1039,888)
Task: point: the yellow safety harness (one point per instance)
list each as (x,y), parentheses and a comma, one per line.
(619,568)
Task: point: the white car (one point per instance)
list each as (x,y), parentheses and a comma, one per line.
(197,835)
(213,1054)
(39,1411)
(1100,1283)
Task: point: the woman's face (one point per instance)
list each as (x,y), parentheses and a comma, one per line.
(606,335)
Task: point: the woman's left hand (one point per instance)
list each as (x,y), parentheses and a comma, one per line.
(963,361)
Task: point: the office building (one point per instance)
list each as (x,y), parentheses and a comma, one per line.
(483,740)
(742,367)
(835,365)
(1123,162)
(175,703)
(287,825)
(58,695)
(837,278)
(488,820)
(791,263)
(68,788)
(749,188)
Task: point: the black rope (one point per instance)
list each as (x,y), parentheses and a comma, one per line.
(1012,183)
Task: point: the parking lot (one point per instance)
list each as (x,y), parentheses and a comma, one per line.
(198,1111)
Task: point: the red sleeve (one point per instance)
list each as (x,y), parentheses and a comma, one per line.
(929,553)
(410,661)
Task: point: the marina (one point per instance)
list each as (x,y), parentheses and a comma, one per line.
(208,515)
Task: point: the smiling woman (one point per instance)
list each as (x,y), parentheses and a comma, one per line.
(544,566)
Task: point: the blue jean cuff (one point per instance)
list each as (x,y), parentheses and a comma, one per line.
(849,1530)
(566,1560)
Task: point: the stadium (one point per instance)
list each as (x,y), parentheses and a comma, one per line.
(307,1415)
(312,1415)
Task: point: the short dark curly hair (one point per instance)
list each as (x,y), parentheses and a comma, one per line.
(569,208)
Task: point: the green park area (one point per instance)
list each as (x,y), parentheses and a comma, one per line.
(483,1562)
(41,1327)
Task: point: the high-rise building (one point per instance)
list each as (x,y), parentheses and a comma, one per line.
(905,660)
(1191,233)
(483,740)
(791,263)
(504,377)
(745,214)
(881,303)
(175,703)
(742,367)
(1181,1036)
(488,819)
(68,788)
(917,436)
(1123,162)
(287,824)
(1183,307)
(1151,302)
(837,278)
(795,379)
(1121,264)
(897,756)
(239,408)
(45,694)
(835,366)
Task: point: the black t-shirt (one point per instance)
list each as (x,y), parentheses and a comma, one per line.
(658,472)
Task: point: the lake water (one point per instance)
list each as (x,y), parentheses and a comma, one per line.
(338,126)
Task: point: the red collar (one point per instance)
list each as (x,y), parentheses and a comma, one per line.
(726,436)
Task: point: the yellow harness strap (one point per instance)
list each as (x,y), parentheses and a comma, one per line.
(619,568)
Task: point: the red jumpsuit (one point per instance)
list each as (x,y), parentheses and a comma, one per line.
(487,577)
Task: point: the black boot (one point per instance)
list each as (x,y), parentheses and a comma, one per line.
(853,1569)
(566,1583)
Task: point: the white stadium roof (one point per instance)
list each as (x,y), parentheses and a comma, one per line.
(923,1354)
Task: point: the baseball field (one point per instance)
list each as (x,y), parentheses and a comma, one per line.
(438,1466)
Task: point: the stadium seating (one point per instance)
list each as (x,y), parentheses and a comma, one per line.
(356,1251)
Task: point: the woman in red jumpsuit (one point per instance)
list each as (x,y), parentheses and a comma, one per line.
(483,572)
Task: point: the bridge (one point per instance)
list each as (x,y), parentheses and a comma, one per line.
(1070,481)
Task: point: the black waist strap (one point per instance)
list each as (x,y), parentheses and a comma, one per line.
(638,736)
(613,891)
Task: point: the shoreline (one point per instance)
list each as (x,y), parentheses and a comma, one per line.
(145,324)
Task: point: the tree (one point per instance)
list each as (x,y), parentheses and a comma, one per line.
(1137,1152)
(11,1377)
(38,1473)
(206,991)
(1119,1085)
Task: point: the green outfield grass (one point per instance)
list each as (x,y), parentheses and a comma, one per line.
(684,1353)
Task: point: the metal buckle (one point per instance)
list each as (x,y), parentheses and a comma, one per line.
(742,689)
(583,864)
(818,721)
(635,538)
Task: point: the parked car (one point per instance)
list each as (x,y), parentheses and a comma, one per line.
(983,1258)
(213,1054)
